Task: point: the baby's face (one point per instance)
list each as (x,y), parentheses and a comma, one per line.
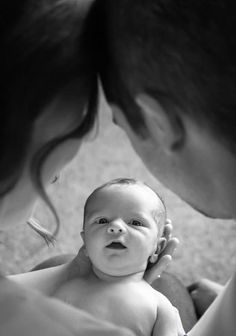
(121,228)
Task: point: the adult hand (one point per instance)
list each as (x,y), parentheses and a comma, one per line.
(24,312)
(169,244)
(203,293)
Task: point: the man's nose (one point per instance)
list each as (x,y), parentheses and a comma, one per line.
(116,227)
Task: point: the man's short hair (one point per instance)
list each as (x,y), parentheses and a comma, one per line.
(181,52)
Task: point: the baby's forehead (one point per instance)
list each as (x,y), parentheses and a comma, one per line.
(129,189)
(115,191)
(132,189)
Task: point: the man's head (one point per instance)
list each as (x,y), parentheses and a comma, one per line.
(123,225)
(169,71)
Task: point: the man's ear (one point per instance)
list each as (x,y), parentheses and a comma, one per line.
(164,128)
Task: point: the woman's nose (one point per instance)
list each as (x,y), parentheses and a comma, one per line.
(116,227)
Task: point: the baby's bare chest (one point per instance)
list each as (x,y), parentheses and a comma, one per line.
(129,305)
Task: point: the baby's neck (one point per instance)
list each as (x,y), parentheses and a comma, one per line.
(114,278)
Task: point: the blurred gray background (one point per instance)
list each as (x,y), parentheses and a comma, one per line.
(207,247)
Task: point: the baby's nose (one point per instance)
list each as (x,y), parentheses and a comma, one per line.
(116,227)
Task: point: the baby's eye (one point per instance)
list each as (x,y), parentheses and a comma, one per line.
(136,222)
(102,221)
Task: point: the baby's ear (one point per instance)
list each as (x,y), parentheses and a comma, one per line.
(153,258)
(161,245)
(84,246)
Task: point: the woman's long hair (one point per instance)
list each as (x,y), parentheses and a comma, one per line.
(45,45)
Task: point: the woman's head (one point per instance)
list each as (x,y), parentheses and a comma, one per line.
(48,91)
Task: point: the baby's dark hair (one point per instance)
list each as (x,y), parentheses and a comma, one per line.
(124,181)
(45,46)
(181,52)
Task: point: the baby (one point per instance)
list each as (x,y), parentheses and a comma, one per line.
(123,225)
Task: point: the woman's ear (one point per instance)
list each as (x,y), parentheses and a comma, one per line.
(165,129)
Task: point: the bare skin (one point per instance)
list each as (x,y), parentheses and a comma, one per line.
(209,188)
(48,280)
(129,302)
(120,236)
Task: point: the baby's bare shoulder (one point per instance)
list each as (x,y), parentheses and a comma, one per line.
(160,299)
(153,298)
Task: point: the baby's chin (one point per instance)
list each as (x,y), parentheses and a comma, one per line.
(117,274)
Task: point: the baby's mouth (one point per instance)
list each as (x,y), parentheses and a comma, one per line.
(116,246)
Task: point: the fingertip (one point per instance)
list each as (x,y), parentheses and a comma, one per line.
(167,258)
(168,230)
(175,240)
(168,226)
(168,221)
